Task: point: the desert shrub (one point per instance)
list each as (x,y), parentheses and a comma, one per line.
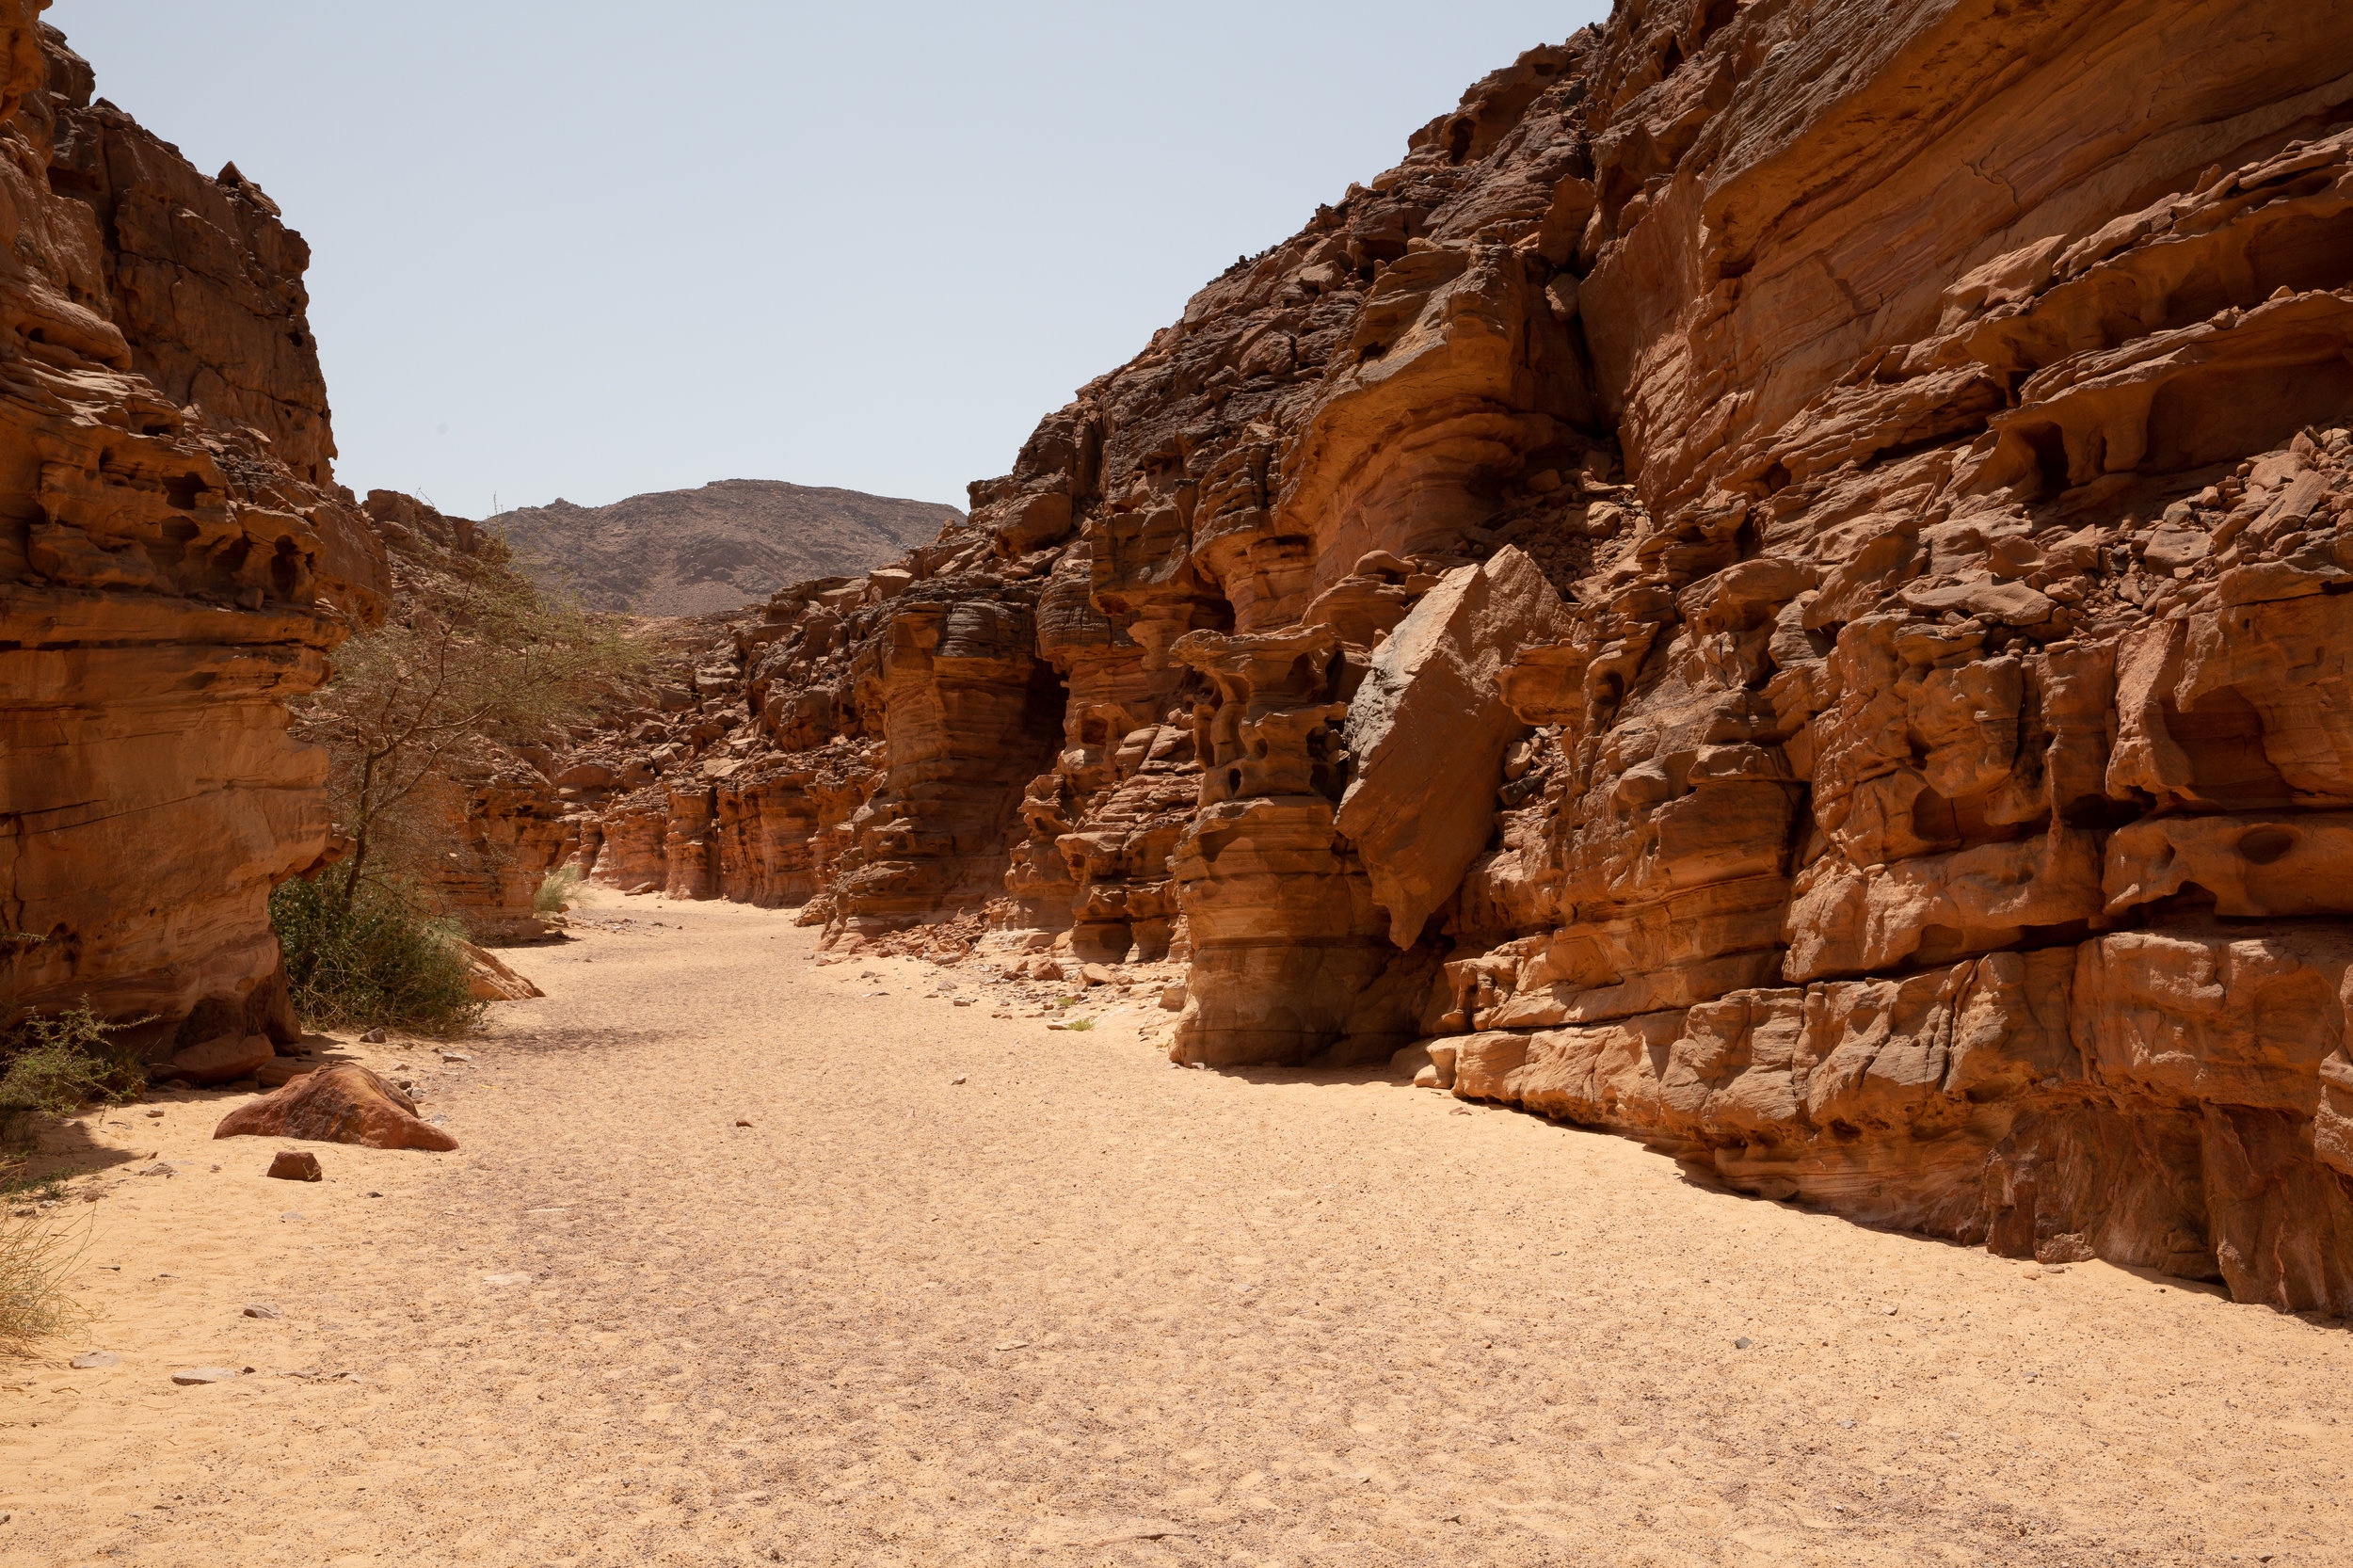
(426,699)
(555,891)
(35,1258)
(371,955)
(56,1062)
(1081,1023)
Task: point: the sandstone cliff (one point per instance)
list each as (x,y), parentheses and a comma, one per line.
(1772,587)
(174,562)
(687,552)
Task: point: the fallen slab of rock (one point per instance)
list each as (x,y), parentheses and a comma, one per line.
(490,980)
(337,1105)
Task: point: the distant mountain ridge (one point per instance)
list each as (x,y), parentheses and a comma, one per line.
(685,552)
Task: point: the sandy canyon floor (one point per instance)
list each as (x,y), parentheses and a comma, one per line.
(967,1290)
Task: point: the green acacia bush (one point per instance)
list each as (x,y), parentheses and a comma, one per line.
(371,955)
(56,1063)
(474,660)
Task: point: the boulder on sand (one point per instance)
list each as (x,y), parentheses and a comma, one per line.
(489,978)
(337,1105)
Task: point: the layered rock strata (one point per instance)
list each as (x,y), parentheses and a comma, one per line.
(1774,588)
(175,562)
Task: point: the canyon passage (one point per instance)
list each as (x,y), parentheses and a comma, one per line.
(1086,1307)
(1648,841)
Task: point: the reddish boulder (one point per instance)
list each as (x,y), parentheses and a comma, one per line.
(337,1105)
(490,979)
(294,1165)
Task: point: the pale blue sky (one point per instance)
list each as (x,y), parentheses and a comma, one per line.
(587,248)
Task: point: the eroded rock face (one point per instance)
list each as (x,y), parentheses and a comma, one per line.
(175,561)
(1925,790)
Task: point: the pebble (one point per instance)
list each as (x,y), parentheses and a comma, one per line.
(455,1056)
(740,1122)
(374,1037)
(264,1309)
(1742,1344)
(956,1079)
(192,1376)
(91,1360)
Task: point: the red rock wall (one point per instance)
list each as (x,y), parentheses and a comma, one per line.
(174,562)
(1772,587)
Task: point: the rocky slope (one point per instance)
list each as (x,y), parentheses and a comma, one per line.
(1772,587)
(175,561)
(687,552)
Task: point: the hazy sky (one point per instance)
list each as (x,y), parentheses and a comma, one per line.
(584,249)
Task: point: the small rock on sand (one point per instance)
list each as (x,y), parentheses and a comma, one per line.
(373,1037)
(89,1361)
(296,1165)
(264,1310)
(190,1377)
(740,1122)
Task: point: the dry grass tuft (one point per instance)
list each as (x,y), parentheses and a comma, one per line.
(36,1256)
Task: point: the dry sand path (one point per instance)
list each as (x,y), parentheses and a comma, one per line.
(970,1292)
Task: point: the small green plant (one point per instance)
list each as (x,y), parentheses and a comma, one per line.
(20,1188)
(372,957)
(36,1256)
(557,890)
(1081,1023)
(56,1062)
